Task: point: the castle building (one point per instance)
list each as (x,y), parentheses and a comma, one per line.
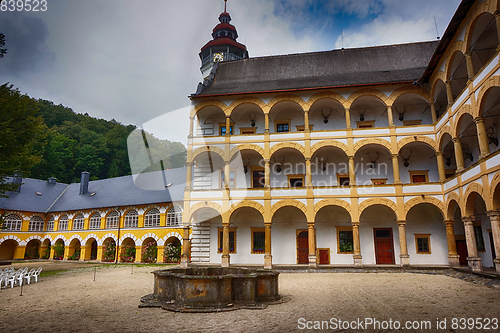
(365,156)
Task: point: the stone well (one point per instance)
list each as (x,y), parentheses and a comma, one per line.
(205,289)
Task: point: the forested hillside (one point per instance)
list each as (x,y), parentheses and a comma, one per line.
(73,143)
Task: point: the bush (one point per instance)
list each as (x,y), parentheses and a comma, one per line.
(172,253)
(75,256)
(109,250)
(149,253)
(127,253)
(46,254)
(58,250)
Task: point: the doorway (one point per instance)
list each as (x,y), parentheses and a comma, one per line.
(384,246)
(302,247)
(462,252)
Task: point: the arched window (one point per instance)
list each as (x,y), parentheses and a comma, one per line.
(78,222)
(131,219)
(63,222)
(113,220)
(174,216)
(95,221)
(36,224)
(50,224)
(152,218)
(12,222)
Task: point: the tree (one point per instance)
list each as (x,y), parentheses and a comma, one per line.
(21,130)
(2,43)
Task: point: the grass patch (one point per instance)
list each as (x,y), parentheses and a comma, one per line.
(52,273)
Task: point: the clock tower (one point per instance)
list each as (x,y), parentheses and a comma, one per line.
(223,46)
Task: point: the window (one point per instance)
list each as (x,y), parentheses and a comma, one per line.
(113,220)
(36,224)
(152,218)
(258,178)
(419,176)
(343,179)
(63,222)
(248,130)
(95,221)
(78,222)
(258,240)
(232,240)
(295,180)
(345,244)
(379,181)
(222,129)
(232,182)
(423,243)
(50,224)
(12,222)
(283,126)
(131,219)
(479,236)
(174,216)
(366,124)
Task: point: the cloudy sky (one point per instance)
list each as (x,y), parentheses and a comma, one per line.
(135,60)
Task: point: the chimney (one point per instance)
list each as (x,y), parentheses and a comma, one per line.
(18,179)
(52,181)
(84,182)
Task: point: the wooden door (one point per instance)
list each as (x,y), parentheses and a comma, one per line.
(462,252)
(303,247)
(324,256)
(493,254)
(384,247)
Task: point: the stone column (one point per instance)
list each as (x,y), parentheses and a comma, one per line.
(404,256)
(42,249)
(191,125)
(83,252)
(226,174)
(267,174)
(20,251)
(99,253)
(159,255)
(389,116)
(449,93)
(495,230)
(189,176)
(348,118)
(266,119)
(268,258)
(453,258)
(356,244)
(352,171)
(311,232)
(138,254)
(470,65)
(470,237)
(459,155)
(433,113)
(52,253)
(395,168)
(186,248)
(482,137)
(440,163)
(308,172)
(225,246)
(228,125)
(66,252)
(306,120)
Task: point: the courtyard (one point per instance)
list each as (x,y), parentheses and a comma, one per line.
(70,300)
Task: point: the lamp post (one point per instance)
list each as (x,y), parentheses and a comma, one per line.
(118,238)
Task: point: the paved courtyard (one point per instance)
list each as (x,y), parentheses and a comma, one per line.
(72,301)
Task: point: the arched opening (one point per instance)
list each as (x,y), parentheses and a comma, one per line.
(210,121)
(458,74)
(448,148)
(483,41)
(109,250)
(426,235)
(286,117)
(379,236)
(467,132)
(373,164)
(173,250)
(90,249)
(127,250)
(58,248)
(8,249)
(253,175)
(248,224)
(440,98)
(455,214)
(335,244)
(330,167)
(490,112)
(32,249)
(74,250)
(289,236)
(288,169)
(368,112)
(208,168)
(149,252)
(327,114)
(476,206)
(410,110)
(45,249)
(249,119)
(203,221)
(418,163)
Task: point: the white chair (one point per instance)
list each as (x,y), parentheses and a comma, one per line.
(29,275)
(13,278)
(36,273)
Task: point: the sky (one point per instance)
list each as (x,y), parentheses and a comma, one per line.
(134,61)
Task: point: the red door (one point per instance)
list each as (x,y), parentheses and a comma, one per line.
(462,252)
(324,258)
(384,248)
(303,247)
(493,254)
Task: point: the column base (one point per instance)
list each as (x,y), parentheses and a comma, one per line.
(497,265)
(358,262)
(268,261)
(454,260)
(312,261)
(405,260)
(474,264)
(184,262)
(225,261)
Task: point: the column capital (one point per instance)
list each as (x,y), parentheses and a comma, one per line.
(306,110)
(439,153)
(268,224)
(468,220)
(310,224)
(228,116)
(479,120)
(468,53)
(494,215)
(355,224)
(266,160)
(389,107)
(401,222)
(350,157)
(394,155)
(455,139)
(308,159)
(449,222)
(447,82)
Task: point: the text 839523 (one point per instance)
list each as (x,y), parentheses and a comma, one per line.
(23,5)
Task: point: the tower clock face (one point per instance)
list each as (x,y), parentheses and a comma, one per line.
(218,57)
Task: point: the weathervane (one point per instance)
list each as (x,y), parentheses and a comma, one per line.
(225,4)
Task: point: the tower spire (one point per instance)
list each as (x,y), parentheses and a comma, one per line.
(225,6)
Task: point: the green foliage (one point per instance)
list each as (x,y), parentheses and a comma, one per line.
(75,256)
(46,254)
(149,253)
(109,250)
(58,250)
(172,253)
(127,253)
(22,129)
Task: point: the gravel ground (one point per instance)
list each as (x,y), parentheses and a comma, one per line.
(72,301)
